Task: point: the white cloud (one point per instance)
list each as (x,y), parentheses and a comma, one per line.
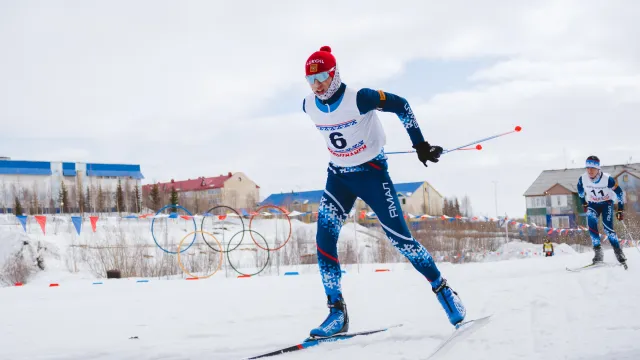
(175,83)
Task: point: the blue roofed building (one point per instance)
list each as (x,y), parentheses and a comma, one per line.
(37,185)
(417,198)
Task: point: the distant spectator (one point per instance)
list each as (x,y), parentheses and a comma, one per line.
(547,248)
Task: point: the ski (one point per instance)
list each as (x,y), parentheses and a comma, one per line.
(309,342)
(595,266)
(462,331)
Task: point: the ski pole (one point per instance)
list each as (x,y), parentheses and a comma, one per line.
(477,147)
(465,147)
(629,233)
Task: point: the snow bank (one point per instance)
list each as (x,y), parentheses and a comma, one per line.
(521,250)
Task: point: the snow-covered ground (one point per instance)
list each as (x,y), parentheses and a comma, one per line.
(540,311)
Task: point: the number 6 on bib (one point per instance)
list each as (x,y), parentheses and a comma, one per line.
(337,140)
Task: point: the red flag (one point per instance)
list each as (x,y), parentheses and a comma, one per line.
(94,221)
(42,220)
(186,217)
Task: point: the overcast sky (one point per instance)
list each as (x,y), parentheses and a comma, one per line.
(201,88)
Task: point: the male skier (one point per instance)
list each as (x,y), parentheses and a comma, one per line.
(347,120)
(598,191)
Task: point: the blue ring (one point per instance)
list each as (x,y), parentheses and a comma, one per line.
(194,226)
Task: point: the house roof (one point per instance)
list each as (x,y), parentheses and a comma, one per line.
(406,188)
(201,183)
(303,197)
(569,177)
(314,196)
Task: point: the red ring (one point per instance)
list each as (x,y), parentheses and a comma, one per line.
(258,212)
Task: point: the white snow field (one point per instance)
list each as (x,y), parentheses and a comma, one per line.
(541,311)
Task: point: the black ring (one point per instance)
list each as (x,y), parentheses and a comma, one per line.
(202,228)
(265,263)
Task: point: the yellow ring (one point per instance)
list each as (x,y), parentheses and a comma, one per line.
(180,262)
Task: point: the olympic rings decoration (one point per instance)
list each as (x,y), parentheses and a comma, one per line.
(265,263)
(219,261)
(194,226)
(220,246)
(202,227)
(288,218)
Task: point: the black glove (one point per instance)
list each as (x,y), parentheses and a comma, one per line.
(427,152)
(619,215)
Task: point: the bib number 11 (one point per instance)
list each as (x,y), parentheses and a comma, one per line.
(337,140)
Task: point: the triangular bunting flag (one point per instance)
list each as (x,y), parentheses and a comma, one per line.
(23,221)
(94,221)
(42,220)
(77,222)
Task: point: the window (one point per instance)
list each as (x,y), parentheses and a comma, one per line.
(536,202)
(559,200)
(539,220)
(560,222)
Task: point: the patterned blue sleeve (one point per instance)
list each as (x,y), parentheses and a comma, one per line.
(613,184)
(581,190)
(369,99)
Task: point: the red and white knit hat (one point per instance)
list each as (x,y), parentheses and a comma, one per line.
(321,61)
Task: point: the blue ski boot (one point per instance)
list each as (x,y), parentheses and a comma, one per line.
(450,301)
(337,322)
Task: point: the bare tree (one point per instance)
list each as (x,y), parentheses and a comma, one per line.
(15,270)
(51,202)
(90,201)
(35,200)
(26,200)
(73,198)
(100,199)
(465,206)
(14,191)
(80,196)
(3,196)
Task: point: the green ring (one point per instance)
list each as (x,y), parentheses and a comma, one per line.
(265,263)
